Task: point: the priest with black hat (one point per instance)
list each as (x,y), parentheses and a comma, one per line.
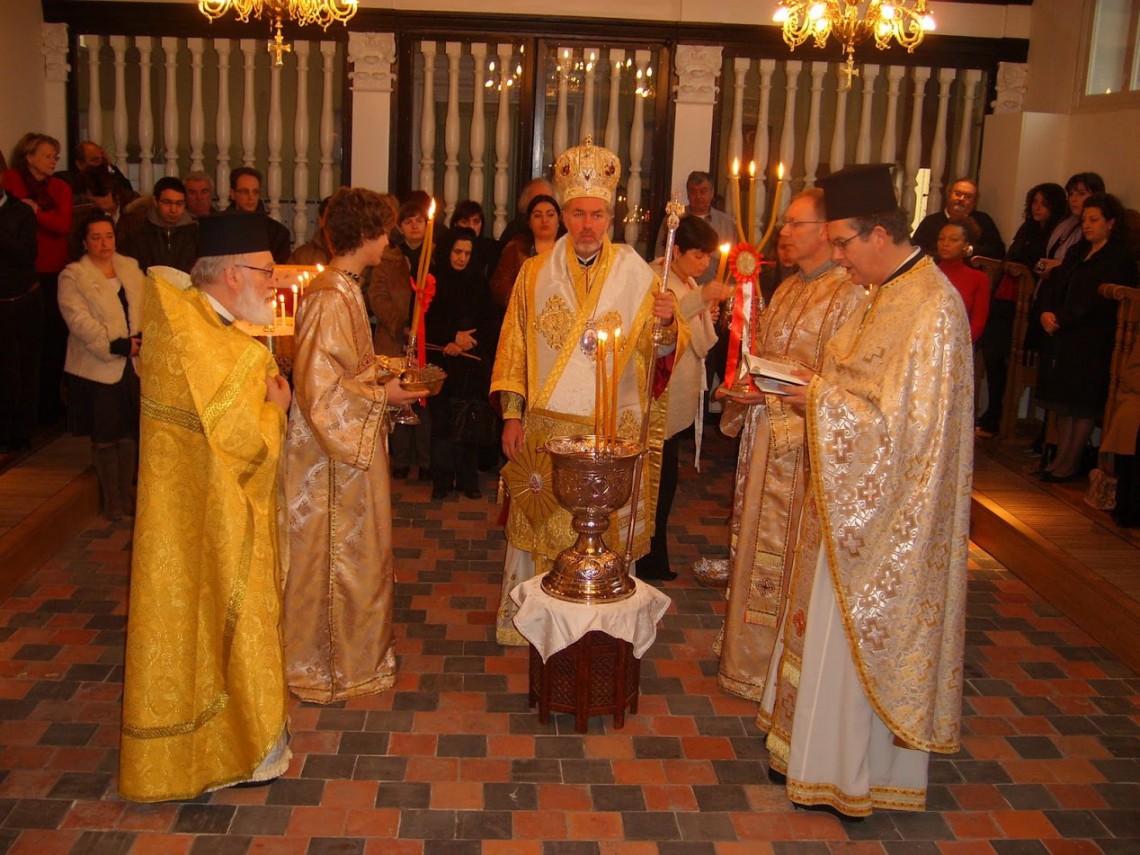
(867,676)
(204,697)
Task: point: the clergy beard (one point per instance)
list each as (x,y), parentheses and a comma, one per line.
(250,307)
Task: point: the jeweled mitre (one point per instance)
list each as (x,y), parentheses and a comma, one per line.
(587,170)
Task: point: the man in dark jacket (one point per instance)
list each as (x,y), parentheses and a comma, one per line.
(21,324)
(245,197)
(168,235)
(961,202)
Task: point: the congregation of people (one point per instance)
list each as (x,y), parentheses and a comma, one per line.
(262,504)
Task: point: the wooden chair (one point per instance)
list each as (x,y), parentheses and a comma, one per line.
(1022,363)
(1127,332)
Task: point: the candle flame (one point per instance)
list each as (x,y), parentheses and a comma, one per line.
(320,268)
(752,168)
(735,167)
(431,210)
(724,248)
(780,171)
(602,335)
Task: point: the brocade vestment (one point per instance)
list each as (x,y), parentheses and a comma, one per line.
(890,439)
(541,360)
(204,694)
(338,595)
(803,316)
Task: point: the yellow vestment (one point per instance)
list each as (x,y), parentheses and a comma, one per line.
(541,360)
(890,437)
(802,317)
(338,595)
(204,692)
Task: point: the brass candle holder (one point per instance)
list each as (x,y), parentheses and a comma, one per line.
(591,481)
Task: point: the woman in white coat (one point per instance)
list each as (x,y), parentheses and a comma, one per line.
(693,244)
(100,297)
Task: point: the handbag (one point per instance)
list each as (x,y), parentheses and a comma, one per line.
(473,422)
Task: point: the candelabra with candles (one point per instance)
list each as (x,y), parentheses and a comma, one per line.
(743,263)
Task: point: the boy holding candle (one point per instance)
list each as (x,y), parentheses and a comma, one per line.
(546,364)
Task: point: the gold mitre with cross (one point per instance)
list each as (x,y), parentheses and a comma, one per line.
(587,171)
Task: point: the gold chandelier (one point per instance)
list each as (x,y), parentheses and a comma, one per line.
(302,12)
(903,21)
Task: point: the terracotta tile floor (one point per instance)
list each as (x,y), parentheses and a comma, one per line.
(452,761)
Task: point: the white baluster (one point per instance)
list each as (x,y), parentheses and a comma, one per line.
(427,121)
(170,107)
(792,70)
(223,127)
(838,155)
(119,127)
(503,139)
(613,112)
(197,112)
(889,151)
(94,104)
(275,132)
(760,143)
(55,46)
(863,145)
(301,145)
(328,132)
(636,150)
(590,58)
(561,138)
(914,139)
(145,44)
(248,106)
(811,147)
(478,141)
(970,80)
(938,148)
(451,130)
(740,67)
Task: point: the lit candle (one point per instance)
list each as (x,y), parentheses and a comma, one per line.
(723,265)
(736,196)
(775,205)
(600,403)
(422,273)
(750,201)
(598,369)
(614,384)
(296,294)
(281,306)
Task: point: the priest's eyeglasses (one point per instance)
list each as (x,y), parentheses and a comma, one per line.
(841,243)
(793,223)
(268,271)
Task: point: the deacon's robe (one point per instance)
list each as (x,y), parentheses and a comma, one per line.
(204,691)
(542,364)
(769,490)
(338,595)
(881,558)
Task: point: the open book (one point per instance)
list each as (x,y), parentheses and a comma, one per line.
(766,369)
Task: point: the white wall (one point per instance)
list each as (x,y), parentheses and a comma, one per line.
(22,67)
(1057,136)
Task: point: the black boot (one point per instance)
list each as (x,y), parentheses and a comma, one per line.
(128,469)
(106,460)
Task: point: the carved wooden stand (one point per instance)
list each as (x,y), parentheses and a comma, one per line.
(596,675)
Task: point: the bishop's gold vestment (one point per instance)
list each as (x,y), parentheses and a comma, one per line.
(769,490)
(204,694)
(890,437)
(338,596)
(541,360)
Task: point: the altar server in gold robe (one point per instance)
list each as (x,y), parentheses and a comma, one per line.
(869,678)
(545,371)
(338,596)
(204,692)
(806,310)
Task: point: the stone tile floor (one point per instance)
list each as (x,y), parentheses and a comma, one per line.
(453,762)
